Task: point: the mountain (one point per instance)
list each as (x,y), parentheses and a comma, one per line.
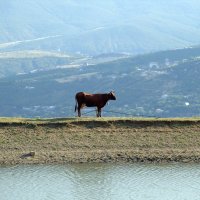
(162,84)
(97,27)
(24,62)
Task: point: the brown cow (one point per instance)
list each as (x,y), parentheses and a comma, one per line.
(92,100)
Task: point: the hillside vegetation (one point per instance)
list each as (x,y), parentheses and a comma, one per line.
(162,84)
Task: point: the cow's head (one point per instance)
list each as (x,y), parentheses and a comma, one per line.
(112,96)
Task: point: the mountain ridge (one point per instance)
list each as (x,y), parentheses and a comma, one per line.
(92,28)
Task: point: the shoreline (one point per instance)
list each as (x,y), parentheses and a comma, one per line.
(89,140)
(58,157)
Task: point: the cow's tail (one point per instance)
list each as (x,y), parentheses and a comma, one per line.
(75,105)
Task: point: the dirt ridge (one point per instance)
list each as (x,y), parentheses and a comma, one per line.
(63,140)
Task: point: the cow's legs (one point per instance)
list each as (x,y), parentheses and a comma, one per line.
(98,112)
(79,111)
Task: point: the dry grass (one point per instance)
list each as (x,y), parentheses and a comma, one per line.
(99,140)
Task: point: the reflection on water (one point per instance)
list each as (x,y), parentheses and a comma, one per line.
(100,181)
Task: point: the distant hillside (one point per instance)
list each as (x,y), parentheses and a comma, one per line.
(24,62)
(162,84)
(95,27)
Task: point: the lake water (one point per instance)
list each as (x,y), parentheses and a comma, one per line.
(101,181)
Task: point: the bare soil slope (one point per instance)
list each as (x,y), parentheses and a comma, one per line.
(99,140)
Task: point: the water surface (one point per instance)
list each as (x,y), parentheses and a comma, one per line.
(101,181)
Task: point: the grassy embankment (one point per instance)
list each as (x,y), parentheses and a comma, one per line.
(99,140)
